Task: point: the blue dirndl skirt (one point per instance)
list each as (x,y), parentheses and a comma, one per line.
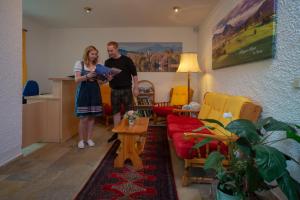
(88,99)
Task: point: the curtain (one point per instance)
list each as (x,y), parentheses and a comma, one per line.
(24,65)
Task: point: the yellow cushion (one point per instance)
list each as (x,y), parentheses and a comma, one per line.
(222,131)
(234,105)
(225,121)
(204,111)
(216,100)
(208,97)
(213,114)
(216,104)
(179,96)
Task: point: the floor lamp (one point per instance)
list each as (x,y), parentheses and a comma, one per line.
(188,63)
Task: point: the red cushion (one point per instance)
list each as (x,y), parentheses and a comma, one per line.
(163,111)
(184,149)
(183,120)
(182,124)
(173,128)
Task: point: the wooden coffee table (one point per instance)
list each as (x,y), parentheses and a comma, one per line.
(132,139)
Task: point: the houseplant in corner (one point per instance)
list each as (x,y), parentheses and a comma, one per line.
(253,164)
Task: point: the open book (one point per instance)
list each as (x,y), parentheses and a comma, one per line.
(103,71)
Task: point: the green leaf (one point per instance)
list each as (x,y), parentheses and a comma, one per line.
(270,162)
(202,143)
(275,125)
(214,122)
(297,126)
(202,128)
(254,180)
(214,161)
(293,135)
(263,122)
(245,146)
(288,186)
(244,128)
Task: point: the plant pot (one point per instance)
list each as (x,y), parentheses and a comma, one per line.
(223,196)
(131,122)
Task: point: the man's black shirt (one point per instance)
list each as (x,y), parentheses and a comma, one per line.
(123,79)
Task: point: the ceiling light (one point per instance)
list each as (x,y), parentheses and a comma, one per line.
(87,10)
(176,9)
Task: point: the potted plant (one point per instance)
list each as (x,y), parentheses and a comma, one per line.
(131,115)
(254,164)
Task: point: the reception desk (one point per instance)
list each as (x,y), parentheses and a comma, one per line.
(50,118)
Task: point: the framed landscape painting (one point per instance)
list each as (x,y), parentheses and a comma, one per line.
(245,34)
(153,56)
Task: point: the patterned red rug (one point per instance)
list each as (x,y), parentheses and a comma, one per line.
(155,181)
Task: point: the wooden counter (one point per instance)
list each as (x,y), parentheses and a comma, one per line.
(51,117)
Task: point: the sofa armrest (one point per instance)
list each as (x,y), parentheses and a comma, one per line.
(189,113)
(222,138)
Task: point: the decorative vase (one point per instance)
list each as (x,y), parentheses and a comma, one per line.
(131,122)
(223,196)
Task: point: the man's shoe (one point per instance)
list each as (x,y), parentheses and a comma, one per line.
(113,137)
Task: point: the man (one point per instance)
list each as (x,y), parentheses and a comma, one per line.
(121,84)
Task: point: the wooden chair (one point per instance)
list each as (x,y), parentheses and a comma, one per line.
(162,109)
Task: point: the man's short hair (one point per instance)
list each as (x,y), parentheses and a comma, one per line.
(113,43)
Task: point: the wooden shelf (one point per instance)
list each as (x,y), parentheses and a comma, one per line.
(144,101)
(146,94)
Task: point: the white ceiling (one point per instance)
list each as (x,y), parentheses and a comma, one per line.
(118,13)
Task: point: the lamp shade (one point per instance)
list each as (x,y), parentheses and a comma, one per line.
(188,63)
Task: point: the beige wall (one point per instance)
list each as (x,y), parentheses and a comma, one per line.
(37,53)
(62,47)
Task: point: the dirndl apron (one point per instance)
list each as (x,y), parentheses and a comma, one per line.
(88,98)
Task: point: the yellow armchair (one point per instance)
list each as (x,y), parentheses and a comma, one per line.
(178,98)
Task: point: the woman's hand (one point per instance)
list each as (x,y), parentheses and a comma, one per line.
(91,75)
(135,91)
(109,77)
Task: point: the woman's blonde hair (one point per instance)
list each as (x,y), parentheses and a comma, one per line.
(86,52)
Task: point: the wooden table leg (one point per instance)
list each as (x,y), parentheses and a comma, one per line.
(140,144)
(128,151)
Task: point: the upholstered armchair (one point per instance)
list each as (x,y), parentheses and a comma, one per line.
(178,97)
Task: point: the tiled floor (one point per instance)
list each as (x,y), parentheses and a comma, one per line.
(58,171)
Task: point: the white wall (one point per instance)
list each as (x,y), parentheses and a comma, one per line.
(65,46)
(10,79)
(268,82)
(36,53)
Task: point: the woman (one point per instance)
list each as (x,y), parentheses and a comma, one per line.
(88,97)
